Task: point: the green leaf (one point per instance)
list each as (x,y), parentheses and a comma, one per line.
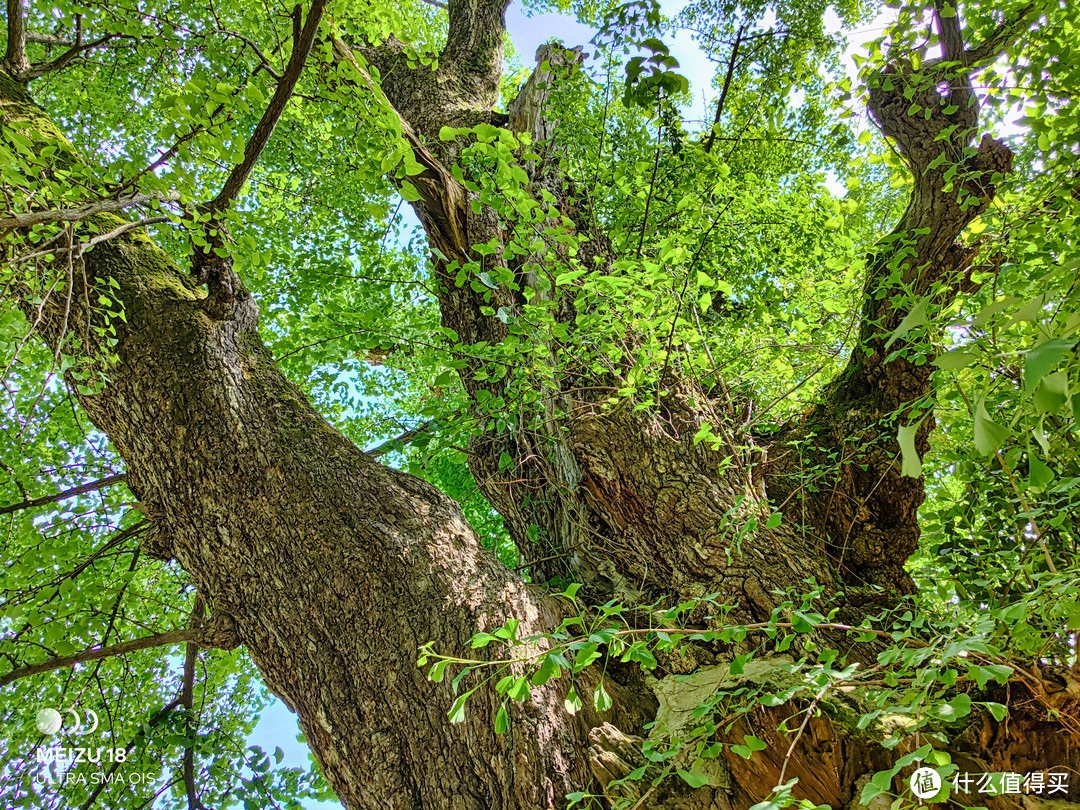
(997,710)
(955,360)
(548,669)
(457,711)
(989,435)
(571,590)
(870,791)
(572,703)
(408,192)
(754,744)
(801,623)
(956,709)
(601,699)
(915,317)
(520,690)
(1042,359)
(502,719)
(910,463)
(1052,393)
(1039,474)
(694,780)
(438,671)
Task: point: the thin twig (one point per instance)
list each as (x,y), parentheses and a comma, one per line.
(153,721)
(187,700)
(652,187)
(799,733)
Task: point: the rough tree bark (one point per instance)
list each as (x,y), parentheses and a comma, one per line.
(332,569)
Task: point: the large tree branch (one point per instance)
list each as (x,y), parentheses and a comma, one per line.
(728,75)
(82,489)
(87,210)
(871,518)
(211,263)
(992,46)
(96,653)
(40,69)
(272,114)
(474,40)
(334,568)
(15,61)
(948,25)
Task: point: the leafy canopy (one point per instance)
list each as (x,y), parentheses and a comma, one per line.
(739,264)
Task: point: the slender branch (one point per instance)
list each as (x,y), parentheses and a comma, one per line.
(686,283)
(652,188)
(798,735)
(93,486)
(146,642)
(41,68)
(81,212)
(404,438)
(265,128)
(724,90)
(49,39)
(1007,32)
(151,723)
(264,61)
(187,700)
(127,226)
(15,61)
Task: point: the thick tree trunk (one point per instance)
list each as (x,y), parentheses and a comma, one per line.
(332,569)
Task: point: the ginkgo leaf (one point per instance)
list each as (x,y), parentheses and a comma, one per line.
(1052,393)
(1042,359)
(1039,474)
(916,317)
(989,435)
(910,463)
(955,360)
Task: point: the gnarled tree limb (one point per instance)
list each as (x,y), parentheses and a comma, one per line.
(87,210)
